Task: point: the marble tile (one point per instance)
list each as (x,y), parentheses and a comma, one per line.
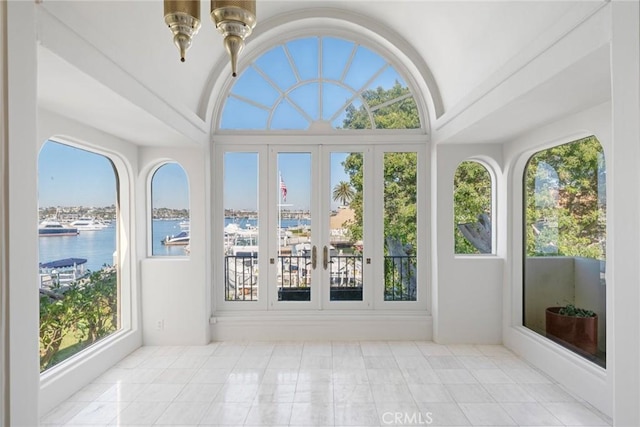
(486,414)
(350,376)
(574,414)
(141,413)
(227,414)
(380,362)
(445,362)
(198,392)
(315,375)
(269,414)
(477,362)
(281,393)
(280,376)
(314,361)
(317,349)
(393,393)
(189,361)
(404,348)
(312,414)
(159,393)
(491,376)
(531,414)
(237,393)
(375,348)
(98,413)
(245,376)
(406,362)
(348,362)
(464,350)
(63,413)
(175,376)
(420,376)
(455,376)
(313,392)
(469,393)
(210,376)
(386,376)
(183,413)
(548,393)
(442,414)
(433,349)
(284,362)
(355,414)
(509,393)
(527,376)
(430,393)
(405,413)
(122,392)
(219,362)
(90,392)
(353,393)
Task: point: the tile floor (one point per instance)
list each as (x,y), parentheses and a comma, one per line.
(324,384)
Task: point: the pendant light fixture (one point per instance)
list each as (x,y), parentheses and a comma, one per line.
(234,19)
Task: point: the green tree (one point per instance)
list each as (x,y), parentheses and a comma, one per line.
(343,193)
(565,201)
(471,198)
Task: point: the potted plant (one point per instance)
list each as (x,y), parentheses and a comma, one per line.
(576,326)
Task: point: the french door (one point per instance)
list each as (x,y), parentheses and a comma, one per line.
(311,226)
(317,257)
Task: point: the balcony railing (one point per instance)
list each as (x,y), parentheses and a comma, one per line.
(294,277)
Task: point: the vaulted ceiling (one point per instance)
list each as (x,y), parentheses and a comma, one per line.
(113,66)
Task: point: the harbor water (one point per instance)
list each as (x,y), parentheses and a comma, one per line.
(98,246)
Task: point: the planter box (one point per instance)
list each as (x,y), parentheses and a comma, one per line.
(581,332)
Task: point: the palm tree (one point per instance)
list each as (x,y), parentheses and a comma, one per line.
(343,193)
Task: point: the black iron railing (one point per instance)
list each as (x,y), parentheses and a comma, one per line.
(294,277)
(400,278)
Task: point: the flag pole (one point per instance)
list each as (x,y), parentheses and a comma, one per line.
(279,214)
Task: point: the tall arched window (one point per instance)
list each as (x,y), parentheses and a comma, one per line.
(472,200)
(170,225)
(321,83)
(332,232)
(79,283)
(564,260)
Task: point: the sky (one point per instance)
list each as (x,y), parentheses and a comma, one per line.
(70,176)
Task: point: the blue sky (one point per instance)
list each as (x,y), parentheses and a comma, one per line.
(69,176)
(72,177)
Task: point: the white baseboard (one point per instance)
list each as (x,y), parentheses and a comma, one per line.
(299,326)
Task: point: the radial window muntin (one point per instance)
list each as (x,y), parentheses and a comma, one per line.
(293,86)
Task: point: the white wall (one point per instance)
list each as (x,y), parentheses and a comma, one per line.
(22,237)
(583,378)
(61,381)
(467,289)
(176,302)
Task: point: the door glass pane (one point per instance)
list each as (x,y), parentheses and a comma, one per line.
(241,226)
(345,227)
(400,226)
(294,226)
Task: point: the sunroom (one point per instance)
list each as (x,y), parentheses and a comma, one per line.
(411,172)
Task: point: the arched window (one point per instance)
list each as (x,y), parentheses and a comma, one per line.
(472,209)
(332,232)
(564,259)
(319,83)
(79,295)
(170,229)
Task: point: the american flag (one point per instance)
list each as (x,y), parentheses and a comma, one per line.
(283,189)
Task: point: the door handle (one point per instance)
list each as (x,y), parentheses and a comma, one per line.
(325,257)
(314,257)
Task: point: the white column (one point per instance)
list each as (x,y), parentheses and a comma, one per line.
(624,221)
(22,235)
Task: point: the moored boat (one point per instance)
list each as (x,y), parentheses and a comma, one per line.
(51,227)
(179,239)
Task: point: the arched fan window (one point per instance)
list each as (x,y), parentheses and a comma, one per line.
(320,83)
